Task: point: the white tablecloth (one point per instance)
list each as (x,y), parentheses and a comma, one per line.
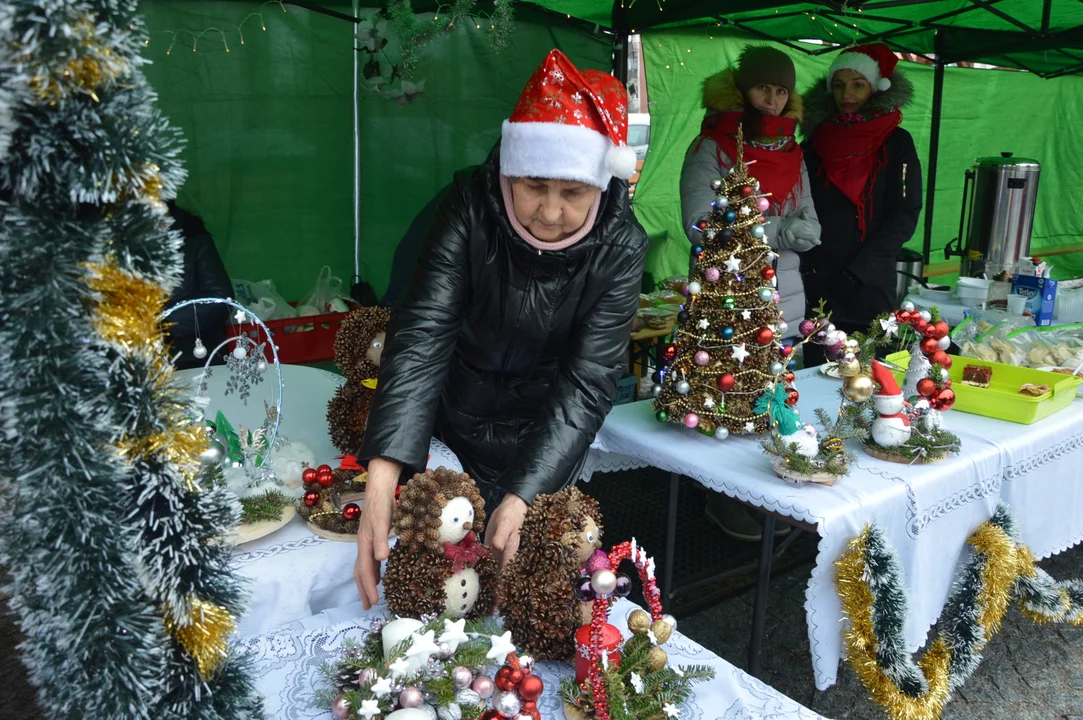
(291,573)
(287,664)
(927,511)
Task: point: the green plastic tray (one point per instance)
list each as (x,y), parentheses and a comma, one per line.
(1001,400)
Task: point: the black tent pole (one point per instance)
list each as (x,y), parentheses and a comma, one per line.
(934,146)
(620,42)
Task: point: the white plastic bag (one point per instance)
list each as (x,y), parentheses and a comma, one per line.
(262,299)
(322,295)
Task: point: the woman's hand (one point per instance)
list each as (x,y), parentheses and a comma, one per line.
(502,534)
(376,511)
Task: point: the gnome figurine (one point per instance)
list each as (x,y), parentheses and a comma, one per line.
(891,427)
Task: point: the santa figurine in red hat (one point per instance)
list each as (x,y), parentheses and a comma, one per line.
(891,427)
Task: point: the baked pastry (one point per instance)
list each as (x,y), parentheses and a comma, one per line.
(977,375)
(1033,390)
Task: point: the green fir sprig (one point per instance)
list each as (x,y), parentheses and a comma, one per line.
(268,506)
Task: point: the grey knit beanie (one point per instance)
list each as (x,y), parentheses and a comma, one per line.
(762,65)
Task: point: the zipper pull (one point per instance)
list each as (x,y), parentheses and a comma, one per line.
(904,180)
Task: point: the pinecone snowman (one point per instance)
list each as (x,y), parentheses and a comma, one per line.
(891,427)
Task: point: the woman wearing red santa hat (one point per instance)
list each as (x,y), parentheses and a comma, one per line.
(509,340)
(866,182)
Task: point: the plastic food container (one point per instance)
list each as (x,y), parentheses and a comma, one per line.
(972,291)
(1001,400)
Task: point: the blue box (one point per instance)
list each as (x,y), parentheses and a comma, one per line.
(1041,295)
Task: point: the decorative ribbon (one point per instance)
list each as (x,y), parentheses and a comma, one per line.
(349,462)
(466,553)
(369,383)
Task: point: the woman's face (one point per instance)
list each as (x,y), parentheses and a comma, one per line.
(552,210)
(851,91)
(768,99)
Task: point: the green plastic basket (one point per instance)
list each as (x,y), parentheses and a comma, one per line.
(1001,400)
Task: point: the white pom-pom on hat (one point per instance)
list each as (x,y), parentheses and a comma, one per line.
(883,84)
(620,160)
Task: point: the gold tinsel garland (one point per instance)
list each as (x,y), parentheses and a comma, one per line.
(83,74)
(125,314)
(203,634)
(1003,563)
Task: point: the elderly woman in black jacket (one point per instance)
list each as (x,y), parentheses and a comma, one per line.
(511,336)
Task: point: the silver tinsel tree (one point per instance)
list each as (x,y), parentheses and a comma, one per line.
(111,527)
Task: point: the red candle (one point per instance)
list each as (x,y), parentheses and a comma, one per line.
(611,641)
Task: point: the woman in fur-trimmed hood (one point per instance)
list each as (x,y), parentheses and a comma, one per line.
(866,182)
(758,95)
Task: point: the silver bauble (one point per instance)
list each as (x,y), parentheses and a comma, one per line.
(908,306)
(721,433)
(683,388)
(656,390)
(926,316)
(471,697)
(261,366)
(461,677)
(782,328)
(507,704)
(604,582)
(944,343)
(214,454)
(449,712)
(239,352)
(526,662)
(198,350)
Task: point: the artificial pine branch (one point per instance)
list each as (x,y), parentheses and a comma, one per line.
(267,506)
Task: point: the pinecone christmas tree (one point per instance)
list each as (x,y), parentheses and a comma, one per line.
(727,352)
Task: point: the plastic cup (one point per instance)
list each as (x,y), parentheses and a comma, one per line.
(1016,304)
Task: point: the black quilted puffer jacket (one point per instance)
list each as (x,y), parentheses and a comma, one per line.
(509,355)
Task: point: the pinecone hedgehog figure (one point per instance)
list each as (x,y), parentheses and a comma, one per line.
(438,564)
(359,345)
(538,587)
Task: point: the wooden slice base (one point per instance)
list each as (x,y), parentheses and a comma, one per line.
(355,497)
(328,535)
(889,456)
(254,531)
(784,472)
(571,712)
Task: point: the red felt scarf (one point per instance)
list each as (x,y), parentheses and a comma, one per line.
(851,154)
(779,171)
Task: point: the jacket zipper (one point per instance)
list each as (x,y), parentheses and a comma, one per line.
(904,180)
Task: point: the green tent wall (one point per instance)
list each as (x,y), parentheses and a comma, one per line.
(270,150)
(269,129)
(985,112)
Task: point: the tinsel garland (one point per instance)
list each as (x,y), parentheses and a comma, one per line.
(870,585)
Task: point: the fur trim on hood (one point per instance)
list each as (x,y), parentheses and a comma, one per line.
(720,94)
(820,103)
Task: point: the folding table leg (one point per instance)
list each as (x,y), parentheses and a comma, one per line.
(671,540)
(763,581)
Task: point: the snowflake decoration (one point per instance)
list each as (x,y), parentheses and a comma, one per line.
(671,710)
(555,75)
(577,98)
(637,683)
(245,372)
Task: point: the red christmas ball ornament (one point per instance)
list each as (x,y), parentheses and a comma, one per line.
(919,326)
(926,387)
(325,479)
(309,475)
(768,273)
(491,715)
(324,468)
(669,353)
(351,511)
(785,350)
(947,363)
(947,383)
(530,707)
(938,358)
(702,224)
(902,316)
(790,377)
(726,382)
(531,688)
(929,346)
(944,399)
(791,398)
(929,331)
(312,498)
(942,329)
(765,335)
(746,191)
(515,677)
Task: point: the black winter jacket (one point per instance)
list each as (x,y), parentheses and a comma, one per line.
(892,217)
(204,276)
(510,355)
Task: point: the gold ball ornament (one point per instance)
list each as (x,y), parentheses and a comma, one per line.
(859,388)
(657,659)
(832,446)
(639,621)
(849,369)
(662,631)
(852,345)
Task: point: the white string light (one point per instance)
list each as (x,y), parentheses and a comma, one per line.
(175,35)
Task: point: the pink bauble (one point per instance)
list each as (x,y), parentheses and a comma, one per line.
(484,686)
(806,328)
(712,275)
(691,420)
(341,707)
(763,204)
(701,357)
(598,561)
(775,297)
(411,697)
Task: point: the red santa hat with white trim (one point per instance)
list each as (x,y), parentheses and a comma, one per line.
(875,62)
(569,124)
(885,380)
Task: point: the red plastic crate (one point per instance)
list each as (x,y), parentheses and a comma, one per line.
(296,345)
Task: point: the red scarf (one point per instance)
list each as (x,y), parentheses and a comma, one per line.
(851,154)
(466,553)
(779,171)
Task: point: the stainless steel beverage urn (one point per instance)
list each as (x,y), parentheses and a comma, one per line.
(999,196)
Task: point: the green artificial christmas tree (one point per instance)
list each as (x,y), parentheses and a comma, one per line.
(112,527)
(727,352)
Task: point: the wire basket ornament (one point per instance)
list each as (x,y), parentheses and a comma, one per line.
(250,449)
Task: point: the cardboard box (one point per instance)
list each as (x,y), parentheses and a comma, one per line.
(1041,295)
